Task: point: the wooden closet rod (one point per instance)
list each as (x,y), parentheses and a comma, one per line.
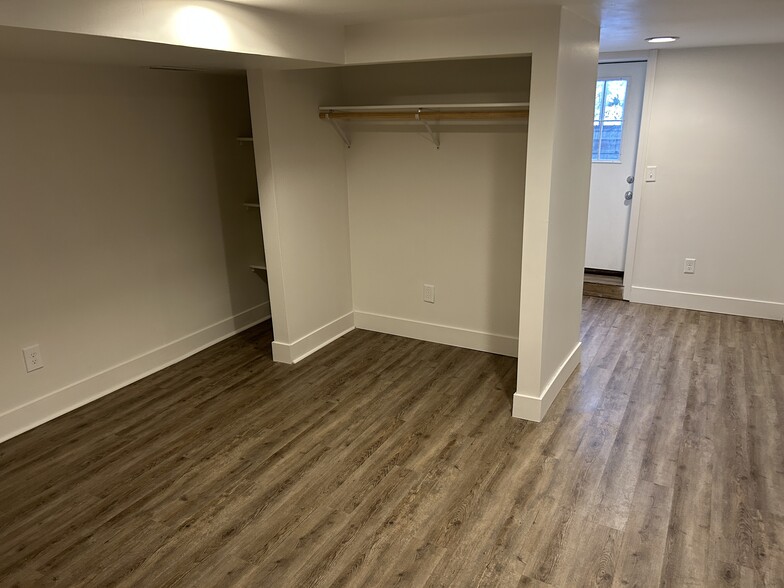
(428,115)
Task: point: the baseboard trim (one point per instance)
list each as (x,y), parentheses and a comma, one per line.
(534,408)
(58,402)
(455,336)
(312,342)
(708,303)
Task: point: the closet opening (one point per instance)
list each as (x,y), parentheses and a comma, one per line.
(436,190)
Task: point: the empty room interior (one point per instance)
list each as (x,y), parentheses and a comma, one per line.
(391,293)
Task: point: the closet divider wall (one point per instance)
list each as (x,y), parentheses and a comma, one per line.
(354,235)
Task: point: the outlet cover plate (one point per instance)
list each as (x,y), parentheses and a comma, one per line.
(32,357)
(429,293)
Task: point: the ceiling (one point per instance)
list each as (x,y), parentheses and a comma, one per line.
(624,23)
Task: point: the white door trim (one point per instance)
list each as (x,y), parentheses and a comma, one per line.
(639,172)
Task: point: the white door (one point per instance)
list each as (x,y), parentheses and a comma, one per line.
(617,113)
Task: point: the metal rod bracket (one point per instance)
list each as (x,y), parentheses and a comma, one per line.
(433,136)
(339,130)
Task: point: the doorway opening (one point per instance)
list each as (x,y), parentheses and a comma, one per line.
(617,115)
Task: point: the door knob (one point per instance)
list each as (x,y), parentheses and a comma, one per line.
(628,195)
(630,179)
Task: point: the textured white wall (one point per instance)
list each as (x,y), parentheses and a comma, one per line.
(715,136)
(121,221)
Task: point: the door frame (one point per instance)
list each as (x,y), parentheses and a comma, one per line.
(642,156)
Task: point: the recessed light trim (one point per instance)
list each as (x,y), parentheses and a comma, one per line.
(665,39)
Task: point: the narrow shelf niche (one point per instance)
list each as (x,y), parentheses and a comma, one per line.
(259,270)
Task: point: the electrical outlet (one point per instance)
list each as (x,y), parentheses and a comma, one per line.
(429,293)
(688,265)
(32,357)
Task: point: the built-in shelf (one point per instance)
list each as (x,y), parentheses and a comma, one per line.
(258,268)
(251,204)
(428,112)
(425,115)
(245,139)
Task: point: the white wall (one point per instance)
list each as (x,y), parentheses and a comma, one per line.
(123,242)
(556,211)
(302,184)
(451,217)
(716,137)
(494,34)
(571,172)
(506,79)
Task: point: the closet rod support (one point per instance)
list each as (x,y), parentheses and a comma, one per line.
(433,137)
(339,130)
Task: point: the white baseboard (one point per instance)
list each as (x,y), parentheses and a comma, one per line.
(708,303)
(312,342)
(533,408)
(58,402)
(455,336)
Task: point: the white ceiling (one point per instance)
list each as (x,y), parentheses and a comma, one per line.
(625,23)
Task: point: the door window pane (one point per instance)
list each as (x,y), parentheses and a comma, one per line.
(615,99)
(609,108)
(597,108)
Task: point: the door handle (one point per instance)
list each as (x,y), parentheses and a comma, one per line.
(628,196)
(629,179)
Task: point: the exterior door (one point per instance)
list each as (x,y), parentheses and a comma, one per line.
(617,113)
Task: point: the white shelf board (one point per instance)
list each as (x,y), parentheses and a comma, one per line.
(259,268)
(251,204)
(405,107)
(245,139)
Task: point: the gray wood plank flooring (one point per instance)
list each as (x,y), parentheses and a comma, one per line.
(383,461)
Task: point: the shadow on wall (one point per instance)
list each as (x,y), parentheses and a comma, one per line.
(505,214)
(235,177)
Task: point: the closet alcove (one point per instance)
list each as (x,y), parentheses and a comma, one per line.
(431,191)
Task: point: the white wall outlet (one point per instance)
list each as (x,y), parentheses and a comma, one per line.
(32,357)
(650,173)
(429,293)
(688,265)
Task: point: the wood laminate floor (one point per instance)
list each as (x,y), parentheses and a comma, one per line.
(383,461)
(602,286)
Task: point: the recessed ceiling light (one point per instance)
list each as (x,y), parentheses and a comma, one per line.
(662,39)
